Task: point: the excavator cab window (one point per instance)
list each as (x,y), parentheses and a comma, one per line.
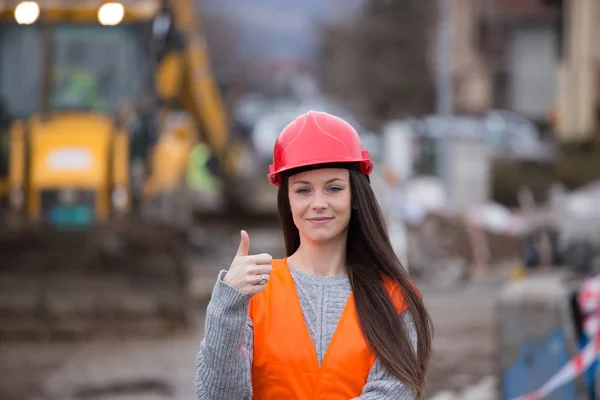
(20,69)
(20,80)
(83,77)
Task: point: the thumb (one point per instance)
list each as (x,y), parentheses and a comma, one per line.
(244,244)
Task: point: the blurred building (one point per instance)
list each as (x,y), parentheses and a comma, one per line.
(472,78)
(504,56)
(536,57)
(519,40)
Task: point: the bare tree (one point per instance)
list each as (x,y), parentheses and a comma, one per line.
(223,36)
(378,63)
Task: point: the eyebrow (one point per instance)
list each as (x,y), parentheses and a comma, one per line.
(308,183)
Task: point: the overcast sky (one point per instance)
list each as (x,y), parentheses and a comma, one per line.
(279,29)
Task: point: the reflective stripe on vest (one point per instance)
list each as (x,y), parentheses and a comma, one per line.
(285,361)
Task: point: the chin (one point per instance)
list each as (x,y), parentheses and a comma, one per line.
(321,236)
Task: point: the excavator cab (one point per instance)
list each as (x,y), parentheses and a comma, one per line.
(65,83)
(98,116)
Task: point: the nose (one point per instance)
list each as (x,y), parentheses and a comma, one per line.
(319,202)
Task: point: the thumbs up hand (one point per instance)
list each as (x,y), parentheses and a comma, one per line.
(248,274)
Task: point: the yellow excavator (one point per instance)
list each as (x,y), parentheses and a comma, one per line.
(101,103)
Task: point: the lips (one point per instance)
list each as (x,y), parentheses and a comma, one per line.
(320,220)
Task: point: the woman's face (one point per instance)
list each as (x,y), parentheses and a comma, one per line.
(320,201)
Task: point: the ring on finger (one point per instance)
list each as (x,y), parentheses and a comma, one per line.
(263,279)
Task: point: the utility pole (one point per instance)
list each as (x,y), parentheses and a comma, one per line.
(444,57)
(444,90)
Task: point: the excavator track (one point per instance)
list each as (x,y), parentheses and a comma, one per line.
(65,284)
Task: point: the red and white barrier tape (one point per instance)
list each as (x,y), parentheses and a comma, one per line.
(589,302)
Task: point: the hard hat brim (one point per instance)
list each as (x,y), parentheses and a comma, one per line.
(365,166)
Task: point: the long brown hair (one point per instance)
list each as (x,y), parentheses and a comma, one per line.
(369,255)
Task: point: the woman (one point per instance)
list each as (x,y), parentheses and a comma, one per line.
(338,318)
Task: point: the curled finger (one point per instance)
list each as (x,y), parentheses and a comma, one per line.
(259,259)
(260,269)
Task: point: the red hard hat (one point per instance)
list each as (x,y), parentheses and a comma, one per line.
(317,138)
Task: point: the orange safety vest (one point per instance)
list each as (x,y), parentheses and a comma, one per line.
(285,361)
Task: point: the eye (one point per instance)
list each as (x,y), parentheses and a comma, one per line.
(335,189)
(302,191)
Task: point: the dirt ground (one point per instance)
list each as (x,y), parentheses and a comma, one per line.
(154,369)
(464,336)
(164,369)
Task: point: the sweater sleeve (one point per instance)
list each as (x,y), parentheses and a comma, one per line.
(381,384)
(223,364)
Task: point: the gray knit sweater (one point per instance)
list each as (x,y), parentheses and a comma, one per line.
(224,361)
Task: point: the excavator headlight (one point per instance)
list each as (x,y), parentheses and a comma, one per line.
(111,13)
(27,12)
